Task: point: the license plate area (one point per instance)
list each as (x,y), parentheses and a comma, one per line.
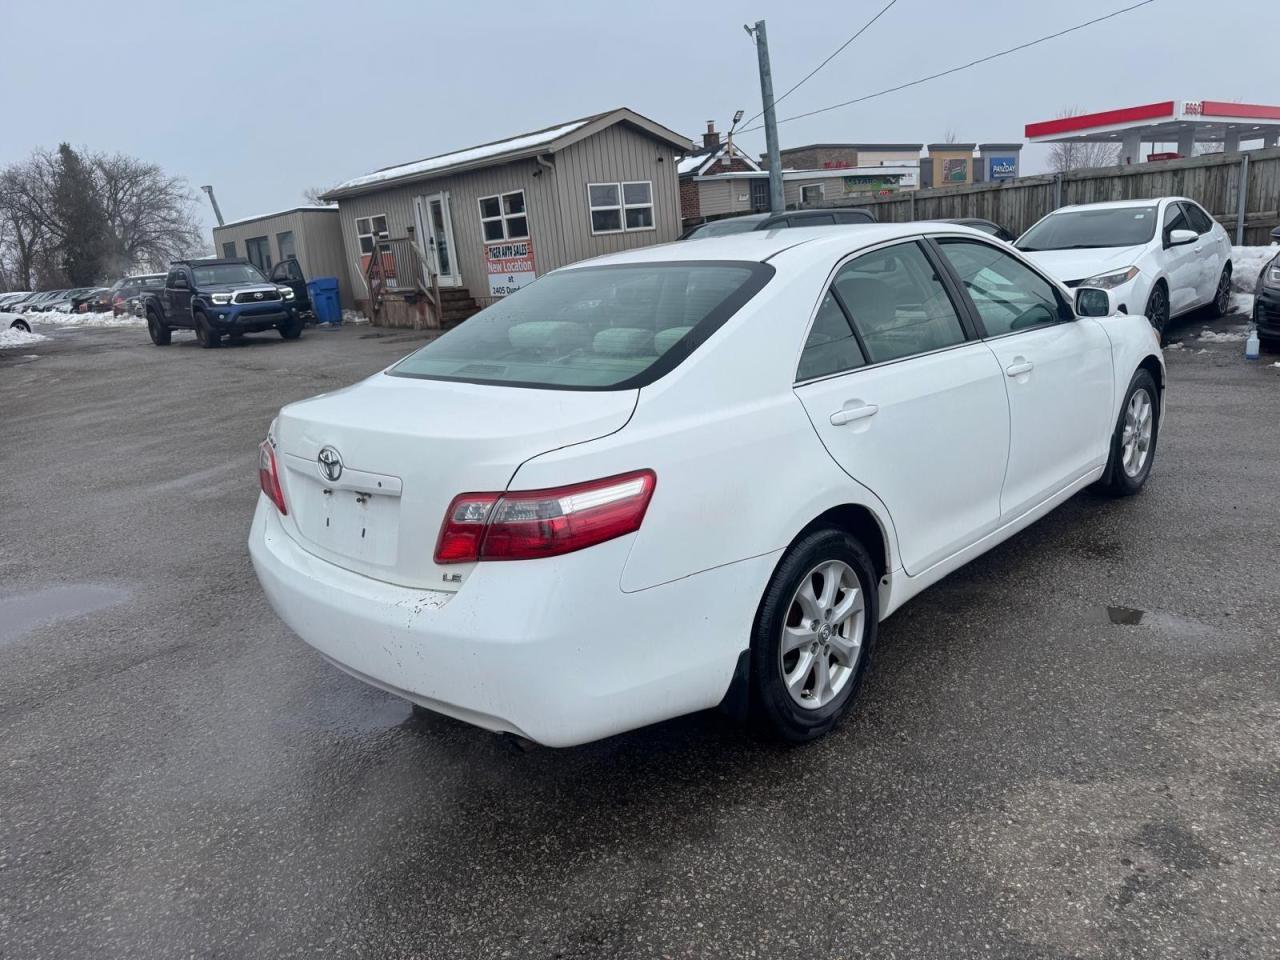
(357,517)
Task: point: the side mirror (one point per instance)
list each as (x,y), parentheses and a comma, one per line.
(1178,238)
(1093,302)
(1275,237)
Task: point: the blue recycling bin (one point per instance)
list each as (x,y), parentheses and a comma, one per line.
(324,299)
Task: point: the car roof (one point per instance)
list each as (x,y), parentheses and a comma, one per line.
(1116,204)
(762,245)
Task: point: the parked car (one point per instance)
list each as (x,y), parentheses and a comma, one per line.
(986,226)
(1161,258)
(127,292)
(810,217)
(40,301)
(13,321)
(678,477)
(217,298)
(1266,304)
(90,300)
(12,298)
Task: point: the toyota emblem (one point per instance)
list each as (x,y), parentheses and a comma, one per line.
(330,464)
(258,296)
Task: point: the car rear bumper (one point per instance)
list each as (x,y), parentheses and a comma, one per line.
(552,650)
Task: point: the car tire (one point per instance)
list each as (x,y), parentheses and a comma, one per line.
(1222,295)
(807,660)
(1133,442)
(20,324)
(1157,309)
(291,329)
(204,333)
(161,335)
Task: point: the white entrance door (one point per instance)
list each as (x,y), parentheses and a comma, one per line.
(435,227)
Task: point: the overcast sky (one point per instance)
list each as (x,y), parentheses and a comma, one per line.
(263,100)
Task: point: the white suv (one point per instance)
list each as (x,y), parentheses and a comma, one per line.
(1161,257)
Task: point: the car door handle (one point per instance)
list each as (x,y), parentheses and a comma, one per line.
(849,414)
(1019,366)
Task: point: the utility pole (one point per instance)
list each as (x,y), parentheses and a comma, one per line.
(213,200)
(776,204)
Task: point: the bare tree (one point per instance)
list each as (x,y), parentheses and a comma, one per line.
(313,195)
(1064,157)
(950,136)
(151,214)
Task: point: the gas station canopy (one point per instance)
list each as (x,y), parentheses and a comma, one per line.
(1184,122)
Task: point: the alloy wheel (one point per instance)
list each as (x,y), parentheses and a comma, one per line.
(1135,440)
(1222,299)
(1158,308)
(822,635)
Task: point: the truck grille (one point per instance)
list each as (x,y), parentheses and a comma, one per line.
(257,296)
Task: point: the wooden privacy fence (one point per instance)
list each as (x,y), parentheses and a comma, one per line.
(1214,181)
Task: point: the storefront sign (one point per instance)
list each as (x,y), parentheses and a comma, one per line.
(1002,168)
(510,266)
(955,170)
(877,182)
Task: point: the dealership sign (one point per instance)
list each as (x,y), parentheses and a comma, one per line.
(878,182)
(1002,168)
(510,266)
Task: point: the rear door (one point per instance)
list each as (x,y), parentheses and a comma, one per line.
(1056,369)
(907,401)
(1209,254)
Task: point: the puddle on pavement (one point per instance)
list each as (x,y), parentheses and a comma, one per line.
(20,613)
(1170,624)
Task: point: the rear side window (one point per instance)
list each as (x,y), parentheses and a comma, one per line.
(898,304)
(592,328)
(831,346)
(1008,294)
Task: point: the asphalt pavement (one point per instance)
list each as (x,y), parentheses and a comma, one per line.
(1068,749)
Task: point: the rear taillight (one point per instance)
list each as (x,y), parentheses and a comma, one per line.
(527,524)
(269,476)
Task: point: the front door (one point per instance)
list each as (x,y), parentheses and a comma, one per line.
(1057,371)
(435,226)
(1182,263)
(907,403)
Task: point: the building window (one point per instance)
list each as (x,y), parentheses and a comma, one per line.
(369,228)
(229,250)
(811,195)
(284,243)
(503,217)
(616,207)
(259,252)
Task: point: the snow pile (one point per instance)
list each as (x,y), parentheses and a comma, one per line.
(1237,334)
(13,337)
(61,318)
(1242,303)
(354,316)
(1246,264)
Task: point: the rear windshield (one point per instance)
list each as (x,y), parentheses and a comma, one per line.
(592,328)
(227,273)
(1085,229)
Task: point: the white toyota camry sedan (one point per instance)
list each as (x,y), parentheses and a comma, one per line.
(694,475)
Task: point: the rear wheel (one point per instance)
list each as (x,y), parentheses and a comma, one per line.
(813,636)
(1222,296)
(291,329)
(20,324)
(160,334)
(1133,444)
(1158,308)
(205,333)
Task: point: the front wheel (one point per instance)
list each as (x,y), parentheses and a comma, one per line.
(1158,309)
(813,636)
(1133,444)
(160,334)
(205,333)
(20,324)
(291,329)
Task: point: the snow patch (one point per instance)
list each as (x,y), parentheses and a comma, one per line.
(1246,264)
(1242,303)
(354,316)
(13,337)
(1237,334)
(62,318)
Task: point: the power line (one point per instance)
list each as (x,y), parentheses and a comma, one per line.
(861,31)
(966,66)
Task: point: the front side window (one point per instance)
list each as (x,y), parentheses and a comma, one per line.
(594,328)
(617,207)
(1089,228)
(1174,219)
(898,305)
(1009,295)
(1200,221)
(503,217)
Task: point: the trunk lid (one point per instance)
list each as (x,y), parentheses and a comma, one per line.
(407,447)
